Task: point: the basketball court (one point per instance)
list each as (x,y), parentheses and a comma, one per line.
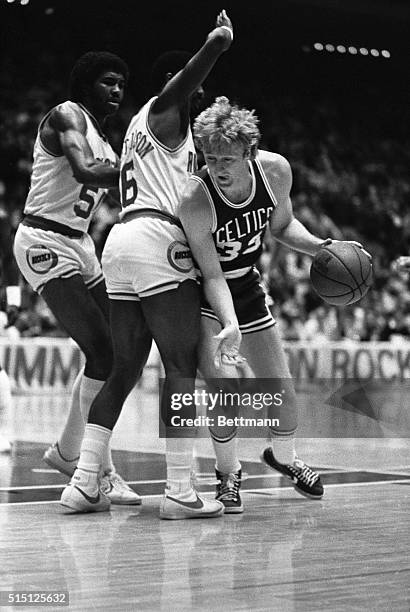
(348,551)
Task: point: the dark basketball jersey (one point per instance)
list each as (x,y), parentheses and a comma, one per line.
(238,229)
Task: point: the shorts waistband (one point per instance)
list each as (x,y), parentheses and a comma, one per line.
(238,273)
(150,212)
(51,226)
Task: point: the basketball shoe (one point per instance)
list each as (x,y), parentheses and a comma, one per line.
(187,505)
(55,459)
(227,491)
(117,490)
(305,480)
(83,495)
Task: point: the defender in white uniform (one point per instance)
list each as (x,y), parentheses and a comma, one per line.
(151,178)
(73,167)
(59,209)
(150,273)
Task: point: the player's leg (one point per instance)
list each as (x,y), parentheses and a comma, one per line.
(266,357)
(174,320)
(84,319)
(224,438)
(131,346)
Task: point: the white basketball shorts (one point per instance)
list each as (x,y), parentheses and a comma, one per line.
(43,255)
(145,255)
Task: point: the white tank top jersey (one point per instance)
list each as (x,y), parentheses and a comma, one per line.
(153,175)
(54,193)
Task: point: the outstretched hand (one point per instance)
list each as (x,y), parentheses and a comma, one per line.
(227,349)
(223,21)
(329,241)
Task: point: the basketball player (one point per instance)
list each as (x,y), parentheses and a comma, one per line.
(151,280)
(225,211)
(74,166)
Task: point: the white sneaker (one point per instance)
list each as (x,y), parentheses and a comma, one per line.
(188,505)
(117,490)
(80,498)
(54,459)
(5,446)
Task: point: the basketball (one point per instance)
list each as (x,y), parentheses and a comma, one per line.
(341,273)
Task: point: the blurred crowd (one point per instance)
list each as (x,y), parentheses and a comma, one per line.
(350,167)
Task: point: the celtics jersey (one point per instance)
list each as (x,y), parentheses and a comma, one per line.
(238,228)
(54,192)
(153,175)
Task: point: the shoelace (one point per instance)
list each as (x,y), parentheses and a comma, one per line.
(305,474)
(229,487)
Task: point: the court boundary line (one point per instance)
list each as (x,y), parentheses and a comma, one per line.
(243,492)
(204,475)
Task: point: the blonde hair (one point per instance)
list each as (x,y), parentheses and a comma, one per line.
(225,123)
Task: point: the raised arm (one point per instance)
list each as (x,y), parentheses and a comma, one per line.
(196,218)
(177,92)
(70,127)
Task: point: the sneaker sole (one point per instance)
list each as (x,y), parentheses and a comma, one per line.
(137,502)
(297,489)
(305,494)
(74,510)
(233,510)
(180,515)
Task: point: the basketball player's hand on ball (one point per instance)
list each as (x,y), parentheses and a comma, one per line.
(227,349)
(223,21)
(401,264)
(358,244)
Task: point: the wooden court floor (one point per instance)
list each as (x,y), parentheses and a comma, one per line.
(349,551)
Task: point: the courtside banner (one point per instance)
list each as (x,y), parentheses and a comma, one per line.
(50,365)
(363,360)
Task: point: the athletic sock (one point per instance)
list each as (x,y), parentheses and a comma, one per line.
(96,440)
(284,448)
(227,460)
(179,458)
(89,389)
(69,442)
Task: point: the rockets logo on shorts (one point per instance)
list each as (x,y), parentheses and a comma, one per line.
(180,257)
(41,259)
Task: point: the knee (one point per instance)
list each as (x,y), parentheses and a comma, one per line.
(98,355)
(180,364)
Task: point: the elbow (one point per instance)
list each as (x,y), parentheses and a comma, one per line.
(81,175)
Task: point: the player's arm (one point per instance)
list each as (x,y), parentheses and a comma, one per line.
(284,227)
(195,215)
(70,127)
(182,85)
